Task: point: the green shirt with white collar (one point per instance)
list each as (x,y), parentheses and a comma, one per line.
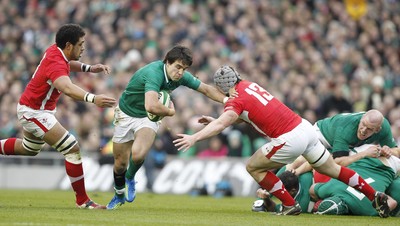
(152,77)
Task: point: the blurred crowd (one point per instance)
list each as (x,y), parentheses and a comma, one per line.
(312,55)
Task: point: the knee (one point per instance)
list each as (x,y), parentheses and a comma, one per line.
(249,167)
(138,156)
(67,144)
(120,166)
(32,147)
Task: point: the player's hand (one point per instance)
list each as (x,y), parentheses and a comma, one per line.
(373,151)
(262,193)
(104,101)
(100,68)
(385,151)
(233,93)
(184,142)
(205,120)
(172,107)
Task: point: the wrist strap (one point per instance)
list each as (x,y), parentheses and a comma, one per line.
(89,97)
(85,67)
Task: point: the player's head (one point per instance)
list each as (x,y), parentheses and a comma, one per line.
(179,53)
(332,206)
(370,123)
(69,33)
(70,38)
(225,78)
(176,61)
(290,181)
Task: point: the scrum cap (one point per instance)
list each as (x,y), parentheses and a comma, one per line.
(225,78)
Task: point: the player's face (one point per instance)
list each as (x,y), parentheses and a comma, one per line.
(77,49)
(175,70)
(366,129)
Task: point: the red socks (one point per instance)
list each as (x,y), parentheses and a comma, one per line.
(75,173)
(354,180)
(275,186)
(7,146)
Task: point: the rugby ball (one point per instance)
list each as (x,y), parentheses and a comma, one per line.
(163,98)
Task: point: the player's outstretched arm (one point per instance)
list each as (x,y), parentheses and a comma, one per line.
(97,68)
(77,66)
(104,101)
(372,152)
(184,141)
(212,93)
(266,197)
(205,120)
(65,85)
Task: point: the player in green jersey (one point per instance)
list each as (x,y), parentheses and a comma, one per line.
(134,133)
(378,172)
(342,132)
(338,198)
(297,186)
(393,191)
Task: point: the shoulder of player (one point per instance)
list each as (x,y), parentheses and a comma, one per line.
(152,67)
(385,131)
(386,124)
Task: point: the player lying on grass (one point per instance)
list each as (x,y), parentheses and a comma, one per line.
(297,186)
(379,172)
(290,135)
(342,133)
(338,199)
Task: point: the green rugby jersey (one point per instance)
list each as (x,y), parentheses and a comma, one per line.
(374,172)
(394,192)
(303,195)
(151,77)
(341,132)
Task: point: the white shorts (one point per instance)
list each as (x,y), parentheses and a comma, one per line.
(302,140)
(321,137)
(37,122)
(125,126)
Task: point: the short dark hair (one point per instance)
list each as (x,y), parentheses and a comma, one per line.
(69,33)
(181,53)
(289,180)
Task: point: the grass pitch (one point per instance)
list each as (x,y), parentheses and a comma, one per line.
(32,207)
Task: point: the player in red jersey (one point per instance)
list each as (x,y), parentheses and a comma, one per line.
(290,136)
(37,106)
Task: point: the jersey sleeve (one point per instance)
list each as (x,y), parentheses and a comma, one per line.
(190,81)
(57,69)
(234,105)
(340,143)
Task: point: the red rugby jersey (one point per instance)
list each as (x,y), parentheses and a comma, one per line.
(263,111)
(40,92)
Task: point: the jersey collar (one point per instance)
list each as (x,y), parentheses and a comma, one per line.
(65,58)
(165,74)
(298,192)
